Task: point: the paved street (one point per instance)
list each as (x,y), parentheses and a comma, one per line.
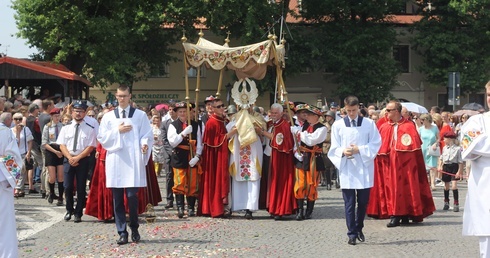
(43,233)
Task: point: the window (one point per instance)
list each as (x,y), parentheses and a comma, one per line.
(401,53)
(162,71)
(192,72)
(477,98)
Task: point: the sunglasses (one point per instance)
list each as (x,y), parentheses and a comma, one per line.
(18,119)
(220,106)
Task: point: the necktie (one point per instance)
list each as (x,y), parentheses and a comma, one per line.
(77,127)
(353,123)
(56,132)
(184,125)
(124,113)
(309,129)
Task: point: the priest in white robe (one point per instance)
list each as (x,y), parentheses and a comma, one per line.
(245,163)
(475,134)
(127,136)
(10,167)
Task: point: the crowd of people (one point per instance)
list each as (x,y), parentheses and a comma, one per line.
(232,159)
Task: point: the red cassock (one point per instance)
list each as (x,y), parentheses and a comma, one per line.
(215,180)
(99,202)
(400,187)
(281,200)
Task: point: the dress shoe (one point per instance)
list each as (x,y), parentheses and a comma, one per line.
(360,236)
(191,213)
(405,221)
(68,216)
(33,191)
(60,202)
(135,236)
(170,204)
(277,217)
(77,219)
(248,215)
(329,187)
(123,239)
(352,241)
(51,198)
(394,222)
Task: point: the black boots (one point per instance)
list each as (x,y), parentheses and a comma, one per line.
(299,211)
(191,203)
(309,209)
(180,205)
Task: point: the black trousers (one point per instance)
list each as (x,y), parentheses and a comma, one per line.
(355,220)
(120,210)
(79,173)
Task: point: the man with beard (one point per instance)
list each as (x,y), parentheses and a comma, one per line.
(76,140)
(405,192)
(281,200)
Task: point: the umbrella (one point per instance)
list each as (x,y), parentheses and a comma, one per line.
(414,107)
(473,106)
(161,106)
(466,111)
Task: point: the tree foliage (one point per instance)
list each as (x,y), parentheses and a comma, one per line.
(119,41)
(352,40)
(453,36)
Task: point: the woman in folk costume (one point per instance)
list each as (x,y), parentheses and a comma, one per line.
(476,149)
(10,169)
(309,161)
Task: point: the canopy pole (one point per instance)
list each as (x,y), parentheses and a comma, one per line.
(184,39)
(198,83)
(220,82)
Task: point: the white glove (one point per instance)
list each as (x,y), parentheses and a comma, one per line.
(193,161)
(187,130)
(295,130)
(298,156)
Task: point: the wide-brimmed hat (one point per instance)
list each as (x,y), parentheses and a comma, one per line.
(180,105)
(315,110)
(301,107)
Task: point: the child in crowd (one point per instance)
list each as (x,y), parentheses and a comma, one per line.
(451,163)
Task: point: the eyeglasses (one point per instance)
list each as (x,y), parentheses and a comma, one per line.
(389,110)
(91,115)
(18,119)
(220,106)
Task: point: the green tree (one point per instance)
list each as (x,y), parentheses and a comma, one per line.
(353,40)
(111,41)
(453,36)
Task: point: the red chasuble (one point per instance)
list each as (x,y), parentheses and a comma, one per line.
(281,200)
(401,187)
(215,180)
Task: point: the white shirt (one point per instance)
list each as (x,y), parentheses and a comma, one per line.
(24,138)
(87,136)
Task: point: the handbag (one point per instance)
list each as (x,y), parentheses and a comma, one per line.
(432,152)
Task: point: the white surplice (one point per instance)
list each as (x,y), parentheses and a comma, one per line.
(476,149)
(358,172)
(125,162)
(8,234)
(245,168)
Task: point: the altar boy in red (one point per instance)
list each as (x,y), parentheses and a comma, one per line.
(407,191)
(215,180)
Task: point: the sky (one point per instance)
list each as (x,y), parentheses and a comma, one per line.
(10,44)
